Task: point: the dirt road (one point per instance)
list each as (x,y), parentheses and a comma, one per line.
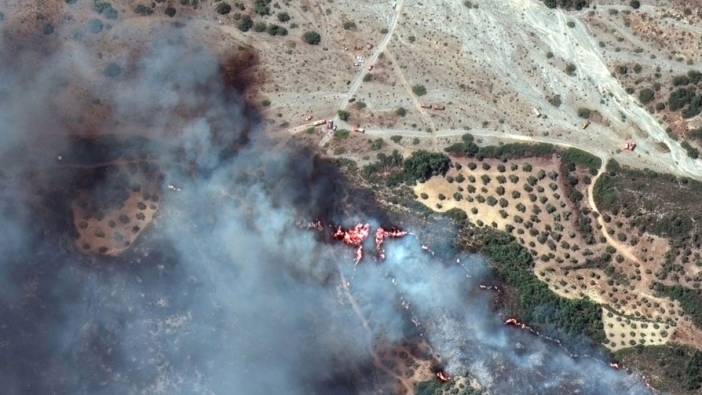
(620,247)
(365,69)
(358,80)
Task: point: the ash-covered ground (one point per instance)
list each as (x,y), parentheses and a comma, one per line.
(225,292)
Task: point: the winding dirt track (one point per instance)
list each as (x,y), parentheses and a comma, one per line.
(621,248)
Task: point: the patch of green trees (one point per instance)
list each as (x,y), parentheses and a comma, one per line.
(538,305)
(422,165)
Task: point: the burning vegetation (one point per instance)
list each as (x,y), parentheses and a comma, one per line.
(356,236)
(381,235)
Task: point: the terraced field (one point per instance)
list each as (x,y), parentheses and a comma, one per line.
(543,203)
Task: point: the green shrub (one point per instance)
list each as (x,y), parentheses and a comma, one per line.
(143,10)
(681,80)
(694,76)
(646,95)
(387,168)
(245,24)
(462,149)
(260,27)
(275,30)
(113,70)
(695,134)
(95,26)
(694,108)
(692,152)
(555,100)
(312,38)
(342,134)
(223,8)
(604,193)
(262,7)
(419,90)
(343,115)
(283,17)
(105,9)
(377,144)
(680,98)
(457,215)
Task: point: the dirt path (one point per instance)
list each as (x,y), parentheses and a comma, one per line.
(418,106)
(376,358)
(478,133)
(356,84)
(358,80)
(620,247)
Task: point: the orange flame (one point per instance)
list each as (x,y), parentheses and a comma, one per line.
(443,376)
(381,235)
(354,237)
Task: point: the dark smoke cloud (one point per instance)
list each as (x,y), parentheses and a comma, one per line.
(224,294)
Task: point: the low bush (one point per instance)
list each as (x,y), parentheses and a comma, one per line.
(312,38)
(419,90)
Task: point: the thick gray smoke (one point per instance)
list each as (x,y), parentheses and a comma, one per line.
(224,293)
